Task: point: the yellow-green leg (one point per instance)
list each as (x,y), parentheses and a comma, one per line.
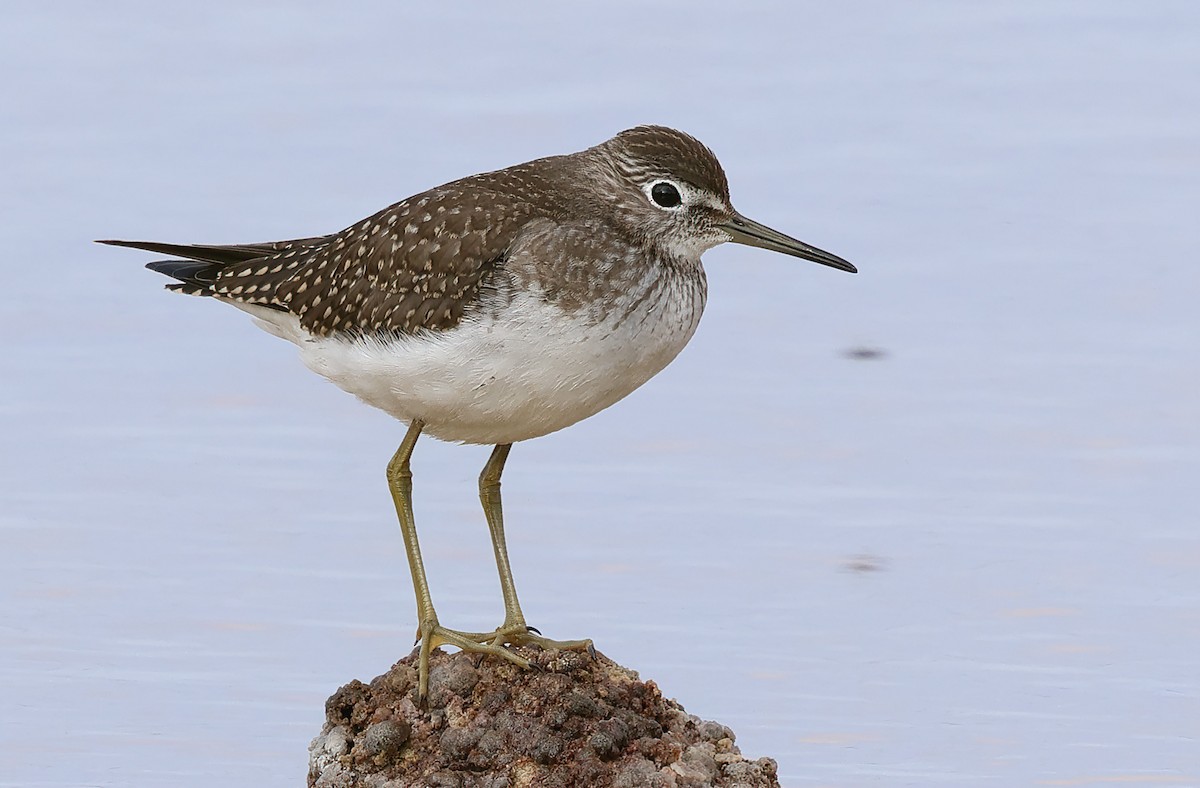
(431,634)
(514,630)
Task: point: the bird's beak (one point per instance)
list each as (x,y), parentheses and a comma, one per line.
(749,232)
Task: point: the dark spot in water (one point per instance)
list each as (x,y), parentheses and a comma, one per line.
(865,353)
(864,563)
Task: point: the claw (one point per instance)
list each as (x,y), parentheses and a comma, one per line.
(534,630)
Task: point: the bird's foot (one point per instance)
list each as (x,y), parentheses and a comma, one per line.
(432,634)
(520,634)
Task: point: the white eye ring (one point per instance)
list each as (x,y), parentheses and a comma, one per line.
(664,195)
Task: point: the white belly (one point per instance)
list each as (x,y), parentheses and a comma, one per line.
(530,371)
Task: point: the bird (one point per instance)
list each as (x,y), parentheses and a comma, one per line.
(495,309)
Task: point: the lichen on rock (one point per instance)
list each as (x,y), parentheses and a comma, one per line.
(575,721)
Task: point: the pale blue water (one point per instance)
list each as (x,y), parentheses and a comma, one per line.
(197,540)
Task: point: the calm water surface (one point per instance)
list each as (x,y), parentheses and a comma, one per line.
(971,560)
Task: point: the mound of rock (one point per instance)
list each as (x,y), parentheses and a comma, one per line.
(577,721)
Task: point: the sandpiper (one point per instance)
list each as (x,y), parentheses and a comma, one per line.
(497,308)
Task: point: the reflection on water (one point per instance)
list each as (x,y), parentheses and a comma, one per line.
(931,525)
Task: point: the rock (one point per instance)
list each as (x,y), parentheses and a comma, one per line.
(383,740)
(490,724)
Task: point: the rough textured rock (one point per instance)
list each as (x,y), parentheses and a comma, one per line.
(575,722)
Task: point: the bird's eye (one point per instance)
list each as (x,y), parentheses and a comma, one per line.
(665,195)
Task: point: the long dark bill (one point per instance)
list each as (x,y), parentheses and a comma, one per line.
(749,232)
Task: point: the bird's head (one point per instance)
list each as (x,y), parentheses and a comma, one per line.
(671,191)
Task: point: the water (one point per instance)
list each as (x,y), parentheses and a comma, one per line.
(971,561)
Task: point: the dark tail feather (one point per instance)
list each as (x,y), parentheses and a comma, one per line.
(204,263)
(226,255)
(193,273)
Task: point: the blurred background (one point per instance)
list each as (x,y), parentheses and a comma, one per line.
(935,524)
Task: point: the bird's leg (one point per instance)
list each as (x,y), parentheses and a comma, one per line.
(514,630)
(399,477)
(430,633)
(489,496)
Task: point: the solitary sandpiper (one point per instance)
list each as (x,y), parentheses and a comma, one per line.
(497,308)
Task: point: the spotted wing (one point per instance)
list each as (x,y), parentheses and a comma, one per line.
(420,264)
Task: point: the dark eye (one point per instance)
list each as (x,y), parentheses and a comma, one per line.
(665,194)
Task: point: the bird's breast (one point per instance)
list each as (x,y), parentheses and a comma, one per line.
(538,361)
